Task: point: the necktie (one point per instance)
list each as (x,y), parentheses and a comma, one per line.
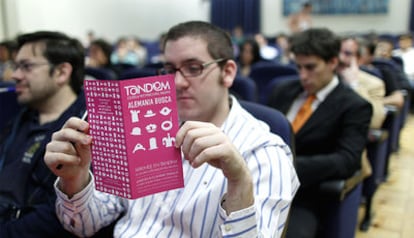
(303,114)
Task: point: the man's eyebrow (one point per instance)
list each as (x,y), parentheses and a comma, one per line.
(191,60)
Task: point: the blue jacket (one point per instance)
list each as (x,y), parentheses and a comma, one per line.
(27,196)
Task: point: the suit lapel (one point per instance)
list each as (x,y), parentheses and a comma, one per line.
(290,96)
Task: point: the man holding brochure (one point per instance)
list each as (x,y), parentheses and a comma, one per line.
(239,178)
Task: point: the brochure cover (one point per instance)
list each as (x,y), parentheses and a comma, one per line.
(133,124)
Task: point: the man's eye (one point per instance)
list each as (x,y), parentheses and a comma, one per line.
(193,68)
(25,66)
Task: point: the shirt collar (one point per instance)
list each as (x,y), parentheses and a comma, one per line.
(325,91)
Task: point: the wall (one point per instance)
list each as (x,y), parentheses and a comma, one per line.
(148,18)
(108,18)
(396,21)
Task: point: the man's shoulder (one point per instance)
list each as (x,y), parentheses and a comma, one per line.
(347,96)
(369,78)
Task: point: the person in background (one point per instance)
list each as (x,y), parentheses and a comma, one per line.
(394,77)
(249,55)
(239,177)
(301,20)
(283,46)
(366,85)
(49,71)
(7,54)
(405,50)
(330,121)
(267,51)
(237,36)
(129,51)
(99,56)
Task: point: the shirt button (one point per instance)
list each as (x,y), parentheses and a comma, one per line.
(227,227)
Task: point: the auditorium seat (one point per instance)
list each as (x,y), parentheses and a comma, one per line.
(263,72)
(8,103)
(100,73)
(244,88)
(137,73)
(377,156)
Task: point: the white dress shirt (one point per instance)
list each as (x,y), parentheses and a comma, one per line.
(195,210)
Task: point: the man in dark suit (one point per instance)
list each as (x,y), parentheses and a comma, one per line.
(330,141)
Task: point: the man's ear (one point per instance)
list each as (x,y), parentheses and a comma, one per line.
(229,73)
(334,63)
(63,72)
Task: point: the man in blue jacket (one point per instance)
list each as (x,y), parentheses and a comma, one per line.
(48,71)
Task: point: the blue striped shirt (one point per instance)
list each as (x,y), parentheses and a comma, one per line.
(195,210)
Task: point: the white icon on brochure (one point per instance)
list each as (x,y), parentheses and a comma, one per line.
(168,141)
(151,128)
(138,147)
(149,113)
(136,131)
(167,125)
(165,111)
(134,115)
(153,143)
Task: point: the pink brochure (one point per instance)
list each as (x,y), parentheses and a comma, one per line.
(133,124)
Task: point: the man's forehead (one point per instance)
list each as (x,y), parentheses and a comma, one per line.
(32,49)
(186,49)
(308,58)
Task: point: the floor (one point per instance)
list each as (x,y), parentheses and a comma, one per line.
(394,201)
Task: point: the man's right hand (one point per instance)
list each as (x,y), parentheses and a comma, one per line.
(68,156)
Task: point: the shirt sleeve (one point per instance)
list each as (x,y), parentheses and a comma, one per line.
(275,184)
(87,211)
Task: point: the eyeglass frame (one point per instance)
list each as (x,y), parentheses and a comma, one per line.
(27,66)
(173,70)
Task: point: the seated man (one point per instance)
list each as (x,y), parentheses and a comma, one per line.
(366,85)
(330,122)
(239,178)
(393,95)
(49,75)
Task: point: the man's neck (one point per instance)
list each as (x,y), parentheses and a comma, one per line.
(52,108)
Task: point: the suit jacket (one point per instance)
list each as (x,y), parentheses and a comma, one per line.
(330,143)
(372,89)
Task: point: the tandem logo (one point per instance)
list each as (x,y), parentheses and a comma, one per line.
(133,90)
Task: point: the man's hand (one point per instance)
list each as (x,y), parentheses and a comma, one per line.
(68,155)
(203,142)
(350,73)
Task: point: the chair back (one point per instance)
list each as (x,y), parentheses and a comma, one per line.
(100,73)
(267,92)
(371,70)
(137,73)
(244,88)
(8,104)
(263,72)
(277,122)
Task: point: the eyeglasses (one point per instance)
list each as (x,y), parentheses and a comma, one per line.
(189,69)
(27,66)
(347,53)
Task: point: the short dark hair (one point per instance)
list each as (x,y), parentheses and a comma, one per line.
(320,42)
(10,46)
(307,4)
(106,47)
(219,43)
(255,50)
(59,48)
